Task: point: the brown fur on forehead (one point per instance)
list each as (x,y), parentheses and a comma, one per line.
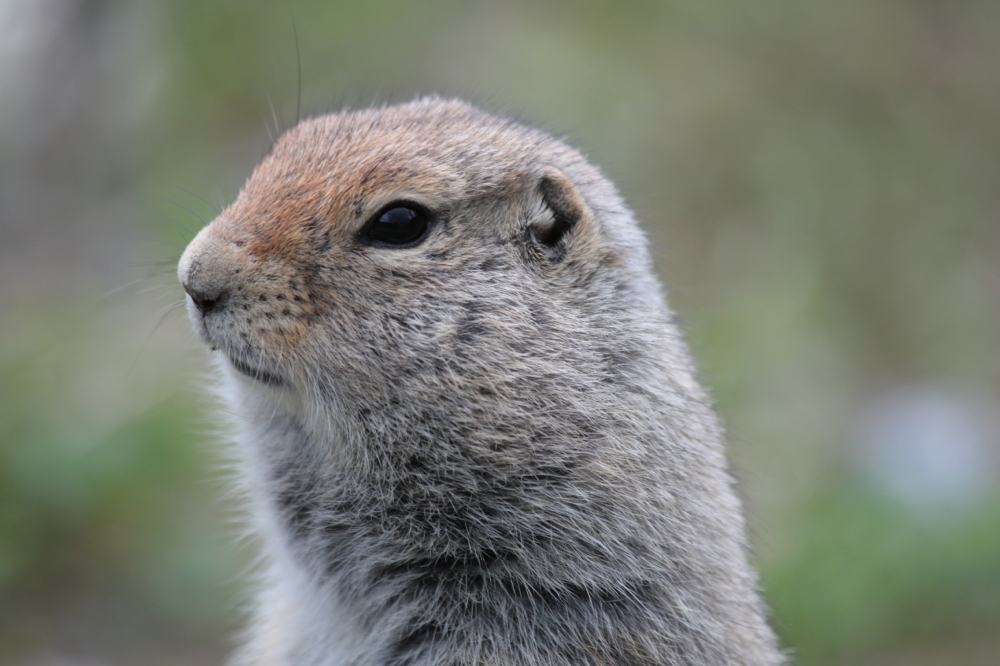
(328,174)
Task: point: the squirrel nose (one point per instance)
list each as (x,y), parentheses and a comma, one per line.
(206,271)
(205,302)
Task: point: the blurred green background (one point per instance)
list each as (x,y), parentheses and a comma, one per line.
(821,185)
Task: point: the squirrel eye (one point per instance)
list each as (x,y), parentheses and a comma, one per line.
(399,225)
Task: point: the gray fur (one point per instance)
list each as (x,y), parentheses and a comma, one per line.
(488,449)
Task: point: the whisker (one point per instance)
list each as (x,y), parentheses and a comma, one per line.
(163,315)
(274,116)
(221,200)
(267,128)
(153,288)
(136,281)
(183,207)
(155,240)
(196,196)
(298,67)
(146,264)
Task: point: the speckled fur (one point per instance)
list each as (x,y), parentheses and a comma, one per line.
(482,450)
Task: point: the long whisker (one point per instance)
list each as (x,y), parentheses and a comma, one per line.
(154,240)
(183,207)
(267,127)
(162,315)
(298,67)
(199,198)
(137,280)
(274,116)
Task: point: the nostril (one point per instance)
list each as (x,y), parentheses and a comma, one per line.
(206,302)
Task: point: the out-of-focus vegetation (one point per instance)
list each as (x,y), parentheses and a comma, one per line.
(821,184)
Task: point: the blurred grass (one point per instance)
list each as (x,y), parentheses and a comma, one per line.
(865,574)
(820,183)
(105,509)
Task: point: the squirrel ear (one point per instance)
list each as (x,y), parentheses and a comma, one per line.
(565,205)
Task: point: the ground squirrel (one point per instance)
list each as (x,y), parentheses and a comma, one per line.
(469,428)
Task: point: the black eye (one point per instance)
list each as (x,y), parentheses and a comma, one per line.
(398,225)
